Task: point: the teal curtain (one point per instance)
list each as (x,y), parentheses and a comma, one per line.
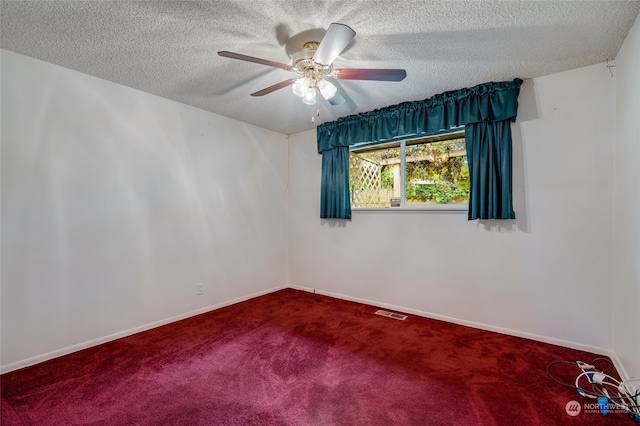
(335,201)
(484,103)
(490,173)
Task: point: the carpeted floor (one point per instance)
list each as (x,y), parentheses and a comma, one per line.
(296,358)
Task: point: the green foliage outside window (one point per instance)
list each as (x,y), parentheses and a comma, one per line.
(448,182)
(437,172)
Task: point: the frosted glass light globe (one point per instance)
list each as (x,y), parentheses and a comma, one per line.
(300,87)
(309,98)
(327,89)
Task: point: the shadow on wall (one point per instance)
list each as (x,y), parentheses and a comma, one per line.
(527,111)
(334,223)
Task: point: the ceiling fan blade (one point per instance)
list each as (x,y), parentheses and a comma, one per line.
(371,74)
(337,99)
(274,87)
(255,60)
(337,37)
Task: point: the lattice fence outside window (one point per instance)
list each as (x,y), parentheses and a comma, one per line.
(365,182)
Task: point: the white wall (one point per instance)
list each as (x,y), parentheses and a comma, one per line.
(116,203)
(545,275)
(626,233)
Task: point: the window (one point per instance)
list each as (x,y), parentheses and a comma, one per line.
(420,173)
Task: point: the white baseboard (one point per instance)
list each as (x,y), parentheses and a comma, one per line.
(545,339)
(74,348)
(84,345)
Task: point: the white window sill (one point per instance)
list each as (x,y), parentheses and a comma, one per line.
(434,208)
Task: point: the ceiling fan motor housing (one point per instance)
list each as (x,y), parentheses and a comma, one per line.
(303,63)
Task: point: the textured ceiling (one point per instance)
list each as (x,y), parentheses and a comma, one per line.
(168,48)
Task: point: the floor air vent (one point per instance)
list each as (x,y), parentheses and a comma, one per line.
(391,315)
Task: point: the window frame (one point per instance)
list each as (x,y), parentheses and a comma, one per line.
(402,144)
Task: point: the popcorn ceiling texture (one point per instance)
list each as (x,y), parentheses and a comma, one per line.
(168,48)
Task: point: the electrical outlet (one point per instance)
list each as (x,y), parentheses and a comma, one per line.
(199,290)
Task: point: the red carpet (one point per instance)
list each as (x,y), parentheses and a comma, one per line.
(296,358)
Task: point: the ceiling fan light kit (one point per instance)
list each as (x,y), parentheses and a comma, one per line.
(315,64)
(313,74)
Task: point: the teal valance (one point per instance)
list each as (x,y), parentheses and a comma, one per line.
(484,102)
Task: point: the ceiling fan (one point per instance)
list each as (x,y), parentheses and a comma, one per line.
(314,64)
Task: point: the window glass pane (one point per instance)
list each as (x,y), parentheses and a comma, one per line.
(374,177)
(437,173)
